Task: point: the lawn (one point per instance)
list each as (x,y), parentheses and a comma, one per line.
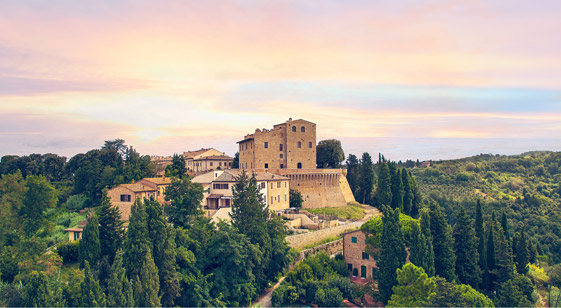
(353,212)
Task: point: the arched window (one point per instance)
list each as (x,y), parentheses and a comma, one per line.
(293,128)
(302,129)
(299,165)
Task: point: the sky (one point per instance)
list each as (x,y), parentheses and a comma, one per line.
(415,79)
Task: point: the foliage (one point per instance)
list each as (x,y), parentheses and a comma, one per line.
(295,198)
(177,169)
(465,249)
(91,293)
(392,252)
(185,201)
(516,292)
(443,243)
(90,247)
(69,251)
(76,202)
(366,183)
(119,288)
(353,212)
(110,228)
(353,173)
(413,289)
(329,154)
(374,226)
(38,197)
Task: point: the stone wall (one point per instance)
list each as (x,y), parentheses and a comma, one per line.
(331,248)
(300,241)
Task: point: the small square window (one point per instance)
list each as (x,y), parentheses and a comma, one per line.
(281,155)
(309,145)
(263,185)
(280,147)
(353,239)
(266,166)
(266,145)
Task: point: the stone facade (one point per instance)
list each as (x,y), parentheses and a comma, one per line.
(359,263)
(124,195)
(289,149)
(300,241)
(204,160)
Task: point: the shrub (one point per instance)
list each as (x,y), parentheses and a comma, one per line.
(68,251)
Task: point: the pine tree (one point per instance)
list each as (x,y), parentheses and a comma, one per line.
(110,228)
(465,247)
(119,288)
(137,241)
(522,254)
(416,249)
(148,283)
(417,200)
(169,280)
(491,264)
(353,174)
(384,189)
(366,183)
(533,251)
(480,235)
(443,242)
(428,263)
(392,252)
(89,247)
(407,192)
(503,258)
(397,187)
(91,293)
(504,224)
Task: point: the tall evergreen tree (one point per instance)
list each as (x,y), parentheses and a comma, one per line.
(522,255)
(491,264)
(504,224)
(428,263)
(177,169)
(150,284)
(465,247)
(110,228)
(417,200)
(91,293)
(443,242)
(185,202)
(407,192)
(482,253)
(366,183)
(38,292)
(392,252)
(137,241)
(397,187)
(417,254)
(353,174)
(38,197)
(89,247)
(503,257)
(119,288)
(169,279)
(384,189)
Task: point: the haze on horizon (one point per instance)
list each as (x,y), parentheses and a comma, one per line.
(425,79)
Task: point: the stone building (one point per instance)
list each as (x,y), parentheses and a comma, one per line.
(159,184)
(219,184)
(206,159)
(289,149)
(124,195)
(359,262)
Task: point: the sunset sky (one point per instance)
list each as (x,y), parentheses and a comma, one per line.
(411,79)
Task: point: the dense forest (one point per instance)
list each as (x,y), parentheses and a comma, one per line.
(168,256)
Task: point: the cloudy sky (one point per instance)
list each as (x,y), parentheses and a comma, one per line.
(412,79)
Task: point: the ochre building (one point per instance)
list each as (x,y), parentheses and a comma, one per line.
(289,150)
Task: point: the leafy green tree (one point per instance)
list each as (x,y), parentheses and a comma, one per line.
(482,253)
(465,247)
(39,196)
(384,189)
(280,250)
(119,288)
(414,287)
(329,154)
(397,187)
(137,241)
(177,169)
(522,255)
(515,292)
(392,252)
(12,192)
(443,242)
(366,183)
(236,161)
(110,228)
(92,295)
(428,260)
(353,173)
(407,192)
(150,284)
(185,201)
(295,198)
(117,145)
(90,247)
(39,291)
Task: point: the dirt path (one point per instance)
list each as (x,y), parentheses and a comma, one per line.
(265,300)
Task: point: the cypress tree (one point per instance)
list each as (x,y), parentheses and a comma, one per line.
(148,283)
(416,248)
(443,242)
(110,227)
(353,174)
(428,262)
(89,247)
(119,288)
(416,202)
(366,183)
(522,254)
(533,251)
(407,192)
(465,247)
(383,191)
(503,258)
(91,293)
(137,241)
(397,187)
(392,252)
(169,280)
(480,235)
(504,224)
(491,254)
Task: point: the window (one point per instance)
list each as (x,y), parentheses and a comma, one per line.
(227,202)
(285,197)
(365,256)
(263,185)
(271,185)
(220,164)
(211,164)
(353,239)
(266,166)
(77,235)
(349,267)
(310,144)
(363,272)
(220,186)
(266,145)
(285,184)
(280,147)
(299,166)
(278,198)
(299,144)
(271,199)
(282,166)
(302,129)
(278,184)
(280,155)
(293,128)
(355,272)
(125,198)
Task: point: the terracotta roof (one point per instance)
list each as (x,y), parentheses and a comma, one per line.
(205,177)
(222,214)
(214,196)
(215,157)
(74,229)
(137,187)
(231,175)
(190,154)
(159,181)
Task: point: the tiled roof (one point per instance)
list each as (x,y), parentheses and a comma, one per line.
(190,154)
(214,196)
(231,175)
(215,157)
(137,187)
(159,181)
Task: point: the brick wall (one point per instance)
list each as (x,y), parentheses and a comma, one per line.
(353,253)
(300,241)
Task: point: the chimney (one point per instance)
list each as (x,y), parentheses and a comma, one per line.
(132,182)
